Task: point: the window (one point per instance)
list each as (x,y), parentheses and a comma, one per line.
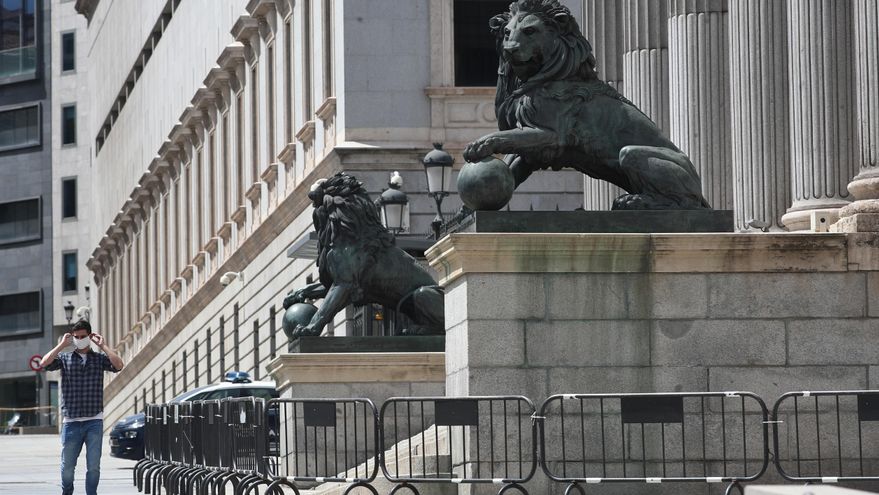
(68,124)
(68,198)
(306,60)
(328,48)
(68,270)
(18,40)
(20,314)
(68,52)
(20,221)
(254,125)
(19,127)
(476,58)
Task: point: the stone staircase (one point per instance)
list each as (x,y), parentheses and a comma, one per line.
(428,453)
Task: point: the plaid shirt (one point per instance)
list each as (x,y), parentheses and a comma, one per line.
(82,384)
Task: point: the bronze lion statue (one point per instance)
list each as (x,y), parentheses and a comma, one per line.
(553,112)
(358,262)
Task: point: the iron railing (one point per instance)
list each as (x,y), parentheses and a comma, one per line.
(324,440)
(827,437)
(719,437)
(203,447)
(460,440)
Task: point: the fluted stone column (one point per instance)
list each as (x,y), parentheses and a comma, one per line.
(823,144)
(699,83)
(645,58)
(602,25)
(759,106)
(863,214)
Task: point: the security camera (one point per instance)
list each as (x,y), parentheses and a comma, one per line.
(228,277)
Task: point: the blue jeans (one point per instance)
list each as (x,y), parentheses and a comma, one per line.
(73,436)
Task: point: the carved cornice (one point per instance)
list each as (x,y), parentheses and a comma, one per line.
(265,12)
(285,8)
(306,133)
(288,154)
(270,174)
(225,231)
(254,192)
(246,31)
(239,215)
(327,109)
(212,245)
(205,101)
(86,8)
(218,82)
(199,259)
(232,60)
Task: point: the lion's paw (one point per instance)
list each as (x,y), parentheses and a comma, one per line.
(477,150)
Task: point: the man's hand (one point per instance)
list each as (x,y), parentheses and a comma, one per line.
(98,339)
(65,340)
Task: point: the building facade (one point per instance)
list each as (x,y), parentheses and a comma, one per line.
(26,204)
(208,122)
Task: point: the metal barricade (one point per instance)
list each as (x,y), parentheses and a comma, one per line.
(828,436)
(323,440)
(715,437)
(247,425)
(459,440)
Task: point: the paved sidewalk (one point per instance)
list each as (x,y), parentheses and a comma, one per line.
(31,464)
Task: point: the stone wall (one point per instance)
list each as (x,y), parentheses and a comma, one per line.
(538,315)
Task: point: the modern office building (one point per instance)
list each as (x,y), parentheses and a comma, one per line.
(26,204)
(208,122)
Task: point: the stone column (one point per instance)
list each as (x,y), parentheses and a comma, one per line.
(699,83)
(863,214)
(603,27)
(759,105)
(823,147)
(645,58)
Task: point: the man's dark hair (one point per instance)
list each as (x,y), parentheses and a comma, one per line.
(81,325)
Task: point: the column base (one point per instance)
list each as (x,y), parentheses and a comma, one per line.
(811,220)
(865,186)
(860,216)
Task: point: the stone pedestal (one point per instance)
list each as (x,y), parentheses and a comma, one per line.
(761,162)
(823,140)
(699,75)
(594,222)
(542,314)
(373,375)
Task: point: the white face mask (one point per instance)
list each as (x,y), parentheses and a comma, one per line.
(81,343)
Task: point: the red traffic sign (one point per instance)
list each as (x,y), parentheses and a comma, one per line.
(34,362)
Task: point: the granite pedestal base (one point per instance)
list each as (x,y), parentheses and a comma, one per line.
(592,222)
(542,314)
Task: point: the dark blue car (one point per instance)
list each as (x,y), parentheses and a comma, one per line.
(126,437)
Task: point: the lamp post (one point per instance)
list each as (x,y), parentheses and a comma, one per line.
(68,312)
(438,167)
(394,205)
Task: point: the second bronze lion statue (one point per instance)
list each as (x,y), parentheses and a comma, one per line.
(554,112)
(358,263)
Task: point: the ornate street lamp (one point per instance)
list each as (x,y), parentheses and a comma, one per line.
(394,205)
(438,167)
(68,311)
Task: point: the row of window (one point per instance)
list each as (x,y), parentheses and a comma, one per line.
(21,313)
(18,40)
(20,126)
(20,220)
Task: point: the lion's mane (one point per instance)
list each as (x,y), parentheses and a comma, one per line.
(344,214)
(572,60)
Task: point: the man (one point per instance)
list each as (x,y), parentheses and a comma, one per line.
(82,400)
